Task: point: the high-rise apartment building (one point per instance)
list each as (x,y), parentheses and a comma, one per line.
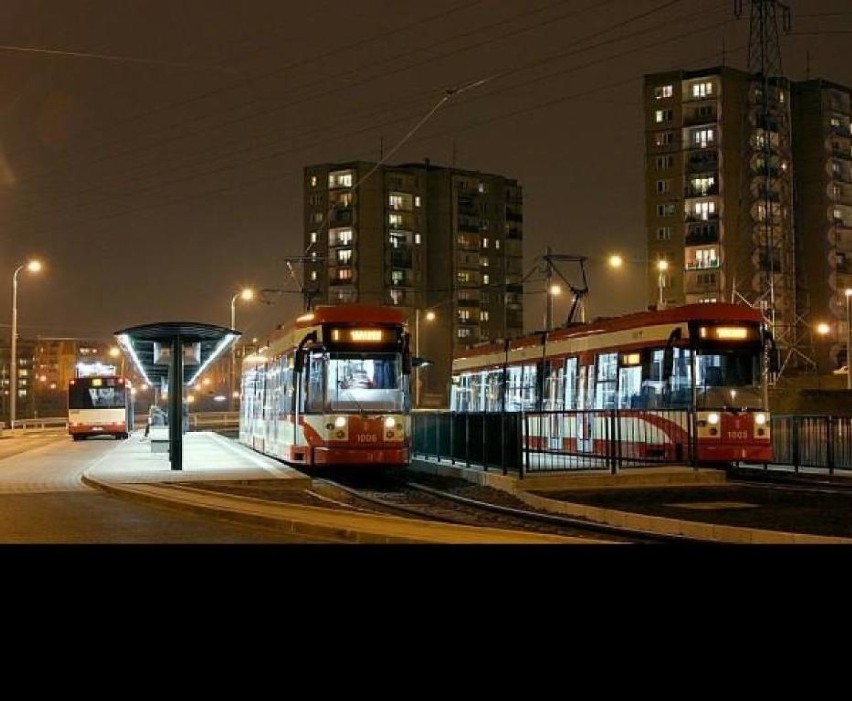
(444,243)
(822,154)
(746,200)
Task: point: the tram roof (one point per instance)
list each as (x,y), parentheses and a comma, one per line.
(143,343)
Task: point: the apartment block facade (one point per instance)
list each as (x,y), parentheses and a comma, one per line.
(443,243)
(44,368)
(746,200)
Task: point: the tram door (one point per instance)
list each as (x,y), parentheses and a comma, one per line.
(585,416)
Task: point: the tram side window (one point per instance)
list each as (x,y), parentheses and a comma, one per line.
(315,374)
(570,402)
(554,386)
(605,385)
(680,384)
(460,393)
(521,394)
(476,391)
(650,395)
(494,390)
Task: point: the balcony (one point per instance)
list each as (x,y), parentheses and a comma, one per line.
(694,218)
(693,191)
(340,216)
(401,257)
(702,234)
(703,160)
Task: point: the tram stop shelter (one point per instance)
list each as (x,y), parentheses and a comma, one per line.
(173,354)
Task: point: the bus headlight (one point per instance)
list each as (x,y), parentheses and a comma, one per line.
(390,422)
(713,419)
(760,419)
(340,422)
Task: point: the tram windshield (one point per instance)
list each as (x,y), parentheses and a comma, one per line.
(731,378)
(365,383)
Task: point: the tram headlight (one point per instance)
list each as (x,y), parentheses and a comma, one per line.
(713,419)
(760,419)
(390,422)
(340,422)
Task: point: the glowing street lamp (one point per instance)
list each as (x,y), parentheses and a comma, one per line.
(245,294)
(32,266)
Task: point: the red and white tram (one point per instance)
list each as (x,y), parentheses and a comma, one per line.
(333,388)
(652,372)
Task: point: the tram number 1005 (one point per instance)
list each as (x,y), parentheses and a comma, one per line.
(737,435)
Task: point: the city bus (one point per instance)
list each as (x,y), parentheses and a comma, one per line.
(332,388)
(99,406)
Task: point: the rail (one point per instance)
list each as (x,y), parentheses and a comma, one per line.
(199,421)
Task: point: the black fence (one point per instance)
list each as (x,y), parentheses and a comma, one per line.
(823,442)
(610,440)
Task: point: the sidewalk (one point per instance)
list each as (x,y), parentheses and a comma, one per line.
(132,471)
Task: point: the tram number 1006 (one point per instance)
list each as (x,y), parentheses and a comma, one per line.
(366,438)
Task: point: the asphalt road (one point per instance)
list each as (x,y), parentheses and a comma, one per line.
(44,501)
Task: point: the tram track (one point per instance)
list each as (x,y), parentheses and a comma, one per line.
(491,509)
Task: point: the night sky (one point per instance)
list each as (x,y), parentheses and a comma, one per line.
(151,151)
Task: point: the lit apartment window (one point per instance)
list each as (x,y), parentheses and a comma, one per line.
(664,233)
(313,181)
(481,188)
(664,162)
(703,210)
(701,186)
(397,277)
(344,274)
(706,258)
(666,210)
(483,261)
(417,239)
(313,274)
(313,237)
(317,217)
(395,201)
(340,237)
(341,178)
(702,138)
(486,278)
(661,116)
(663,186)
(485,242)
(417,200)
(464,332)
(662,91)
(702,89)
(497,244)
(344,256)
(483,315)
(313,254)
(464,315)
(395,220)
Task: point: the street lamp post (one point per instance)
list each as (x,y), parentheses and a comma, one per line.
(848,337)
(245,294)
(33,266)
(430,316)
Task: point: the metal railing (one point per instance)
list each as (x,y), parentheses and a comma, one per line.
(554,441)
(610,440)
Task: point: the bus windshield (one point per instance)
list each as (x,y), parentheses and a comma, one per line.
(365,383)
